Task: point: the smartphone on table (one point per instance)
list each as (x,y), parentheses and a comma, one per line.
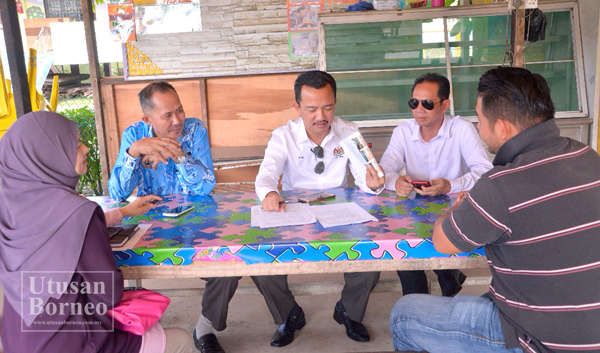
(420,184)
(178,211)
(129,229)
(112,231)
(316,197)
(120,234)
(118,240)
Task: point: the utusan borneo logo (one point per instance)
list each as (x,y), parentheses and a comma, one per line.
(79,304)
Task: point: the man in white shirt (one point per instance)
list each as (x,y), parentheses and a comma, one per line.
(307,152)
(444,150)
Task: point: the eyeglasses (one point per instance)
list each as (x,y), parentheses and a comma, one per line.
(318,152)
(428,104)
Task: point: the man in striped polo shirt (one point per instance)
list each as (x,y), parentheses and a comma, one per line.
(537,213)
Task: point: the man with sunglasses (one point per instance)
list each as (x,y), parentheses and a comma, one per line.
(444,150)
(307,154)
(536,213)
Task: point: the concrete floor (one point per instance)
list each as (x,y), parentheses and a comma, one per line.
(250,325)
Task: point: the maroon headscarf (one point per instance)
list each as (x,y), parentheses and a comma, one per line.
(43,221)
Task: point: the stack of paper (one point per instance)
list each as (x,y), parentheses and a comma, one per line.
(340,214)
(299,213)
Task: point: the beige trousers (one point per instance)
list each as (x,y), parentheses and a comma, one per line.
(178,341)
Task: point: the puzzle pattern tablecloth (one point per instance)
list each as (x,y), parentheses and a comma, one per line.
(218,229)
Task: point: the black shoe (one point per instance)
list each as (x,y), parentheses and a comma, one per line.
(455,286)
(285,333)
(354,330)
(208,343)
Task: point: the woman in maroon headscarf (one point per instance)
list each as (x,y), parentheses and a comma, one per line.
(56,266)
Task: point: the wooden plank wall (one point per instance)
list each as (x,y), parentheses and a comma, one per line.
(122,108)
(243,111)
(240,113)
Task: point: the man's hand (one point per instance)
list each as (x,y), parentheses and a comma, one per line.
(273,202)
(438,187)
(161,148)
(403,185)
(374,182)
(139,206)
(150,161)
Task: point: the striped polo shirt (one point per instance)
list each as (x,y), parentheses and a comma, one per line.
(537,213)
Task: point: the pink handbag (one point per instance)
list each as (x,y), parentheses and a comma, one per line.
(138,310)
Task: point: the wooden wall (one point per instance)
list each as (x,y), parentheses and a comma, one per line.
(243,111)
(122,108)
(240,113)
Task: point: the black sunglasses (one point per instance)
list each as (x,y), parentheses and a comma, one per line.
(320,167)
(428,104)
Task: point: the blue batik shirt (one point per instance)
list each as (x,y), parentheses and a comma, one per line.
(193,176)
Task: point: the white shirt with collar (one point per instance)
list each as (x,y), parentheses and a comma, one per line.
(455,154)
(289,153)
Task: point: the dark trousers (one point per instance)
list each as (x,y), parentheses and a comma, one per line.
(355,294)
(215,301)
(415,282)
(279,298)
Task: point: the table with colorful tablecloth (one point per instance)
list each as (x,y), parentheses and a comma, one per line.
(215,239)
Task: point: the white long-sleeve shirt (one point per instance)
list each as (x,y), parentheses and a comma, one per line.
(289,153)
(455,154)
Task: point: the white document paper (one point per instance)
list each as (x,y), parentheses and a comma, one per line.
(340,214)
(295,214)
(134,238)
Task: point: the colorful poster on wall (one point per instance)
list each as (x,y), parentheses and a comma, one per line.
(160,2)
(336,2)
(172,16)
(121,22)
(32,8)
(303,44)
(303,17)
(304,2)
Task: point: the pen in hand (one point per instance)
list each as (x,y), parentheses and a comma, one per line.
(282,204)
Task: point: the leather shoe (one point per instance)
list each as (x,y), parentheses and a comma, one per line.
(285,333)
(455,284)
(208,343)
(355,330)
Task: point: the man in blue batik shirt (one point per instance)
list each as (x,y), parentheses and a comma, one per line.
(165,153)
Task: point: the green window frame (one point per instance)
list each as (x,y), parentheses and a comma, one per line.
(376,56)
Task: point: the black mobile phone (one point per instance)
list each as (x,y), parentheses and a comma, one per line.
(112,231)
(128,229)
(420,183)
(178,211)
